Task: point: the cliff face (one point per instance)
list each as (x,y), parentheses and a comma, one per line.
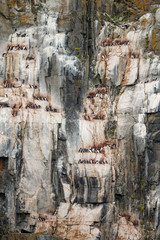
(79,119)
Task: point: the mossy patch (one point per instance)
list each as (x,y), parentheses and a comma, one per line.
(140,208)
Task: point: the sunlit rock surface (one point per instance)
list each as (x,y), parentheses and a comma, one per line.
(79,120)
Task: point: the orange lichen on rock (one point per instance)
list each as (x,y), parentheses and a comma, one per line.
(154,41)
(24,19)
(19,3)
(142,4)
(11,3)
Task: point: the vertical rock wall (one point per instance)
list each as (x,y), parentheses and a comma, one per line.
(79,119)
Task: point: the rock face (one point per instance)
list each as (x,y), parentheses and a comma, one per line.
(79,119)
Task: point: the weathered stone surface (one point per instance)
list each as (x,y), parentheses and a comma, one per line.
(79,120)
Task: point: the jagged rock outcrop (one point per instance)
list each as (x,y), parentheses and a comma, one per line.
(79,119)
